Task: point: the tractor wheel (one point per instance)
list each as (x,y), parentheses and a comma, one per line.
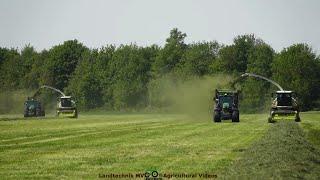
(38,112)
(270,120)
(43,113)
(216,116)
(76,114)
(25,114)
(297,119)
(235,116)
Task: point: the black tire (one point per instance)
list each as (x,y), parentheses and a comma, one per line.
(76,114)
(25,113)
(38,112)
(43,113)
(235,116)
(297,119)
(216,116)
(270,120)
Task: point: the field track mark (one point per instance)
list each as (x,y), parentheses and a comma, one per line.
(50,139)
(40,135)
(80,135)
(80,131)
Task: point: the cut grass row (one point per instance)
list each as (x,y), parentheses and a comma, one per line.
(282,153)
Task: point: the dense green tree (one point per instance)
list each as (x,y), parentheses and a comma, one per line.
(197,59)
(61,63)
(234,58)
(11,67)
(226,61)
(31,64)
(297,68)
(4,52)
(4,56)
(102,60)
(256,92)
(171,54)
(37,70)
(28,55)
(243,45)
(85,84)
(129,73)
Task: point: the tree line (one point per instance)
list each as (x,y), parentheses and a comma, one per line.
(120,78)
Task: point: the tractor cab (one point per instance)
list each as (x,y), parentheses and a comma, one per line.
(285,99)
(66,106)
(226,101)
(66,101)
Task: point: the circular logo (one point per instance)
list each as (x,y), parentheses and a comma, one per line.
(154,174)
(151,173)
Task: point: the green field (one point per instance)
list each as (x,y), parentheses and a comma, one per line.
(96,144)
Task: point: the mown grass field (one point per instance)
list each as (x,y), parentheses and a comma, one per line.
(96,144)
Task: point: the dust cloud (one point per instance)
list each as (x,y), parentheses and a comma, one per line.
(193,97)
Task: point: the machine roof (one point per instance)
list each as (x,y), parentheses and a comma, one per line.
(65,97)
(284,91)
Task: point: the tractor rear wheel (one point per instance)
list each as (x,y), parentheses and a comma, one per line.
(297,119)
(76,114)
(38,112)
(235,116)
(43,113)
(216,116)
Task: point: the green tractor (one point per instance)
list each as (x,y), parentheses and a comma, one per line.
(33,108)
(66,107)
(284,106)
(226,106)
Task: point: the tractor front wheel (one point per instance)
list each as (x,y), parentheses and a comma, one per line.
(25,114)
(216,116)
